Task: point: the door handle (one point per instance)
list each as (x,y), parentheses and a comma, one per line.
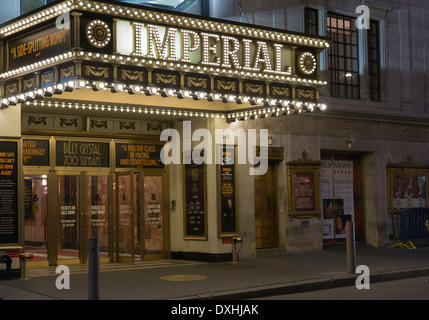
(270,205)
(82,220)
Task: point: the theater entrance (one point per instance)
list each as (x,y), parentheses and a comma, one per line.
(82,211)
(62,210)
(139,216)
(67,202)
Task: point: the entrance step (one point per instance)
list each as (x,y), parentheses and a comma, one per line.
(270,252)
(113,266)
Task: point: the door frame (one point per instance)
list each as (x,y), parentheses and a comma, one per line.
(165,214)
(49,215)
(110,210)
(165,205)
(82,213)
(120,258)
(272,166)
(79,215)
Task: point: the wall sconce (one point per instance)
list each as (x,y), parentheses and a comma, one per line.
(270,140)
(349,144)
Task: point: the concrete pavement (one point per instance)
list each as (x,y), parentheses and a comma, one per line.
(191,280)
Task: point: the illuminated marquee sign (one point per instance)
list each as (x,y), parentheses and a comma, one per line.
(214,50)
(135,49)
(37,46)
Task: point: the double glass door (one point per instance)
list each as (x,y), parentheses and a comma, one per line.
(124,210)
(139,216)
(82,211)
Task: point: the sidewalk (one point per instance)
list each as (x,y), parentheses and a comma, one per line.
(191,280)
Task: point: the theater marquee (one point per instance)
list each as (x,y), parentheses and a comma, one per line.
(133,49)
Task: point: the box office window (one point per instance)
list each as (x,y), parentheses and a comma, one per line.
(343,56)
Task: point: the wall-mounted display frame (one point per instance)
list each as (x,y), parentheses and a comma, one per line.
(195,201)
(303,189)
(407,188)
(227,201)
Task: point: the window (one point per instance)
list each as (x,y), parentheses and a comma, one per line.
(30,5)
(374,61)
(192,6)
(311,21)
(343,57)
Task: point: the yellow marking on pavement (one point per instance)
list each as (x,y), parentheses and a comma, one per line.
(184,277)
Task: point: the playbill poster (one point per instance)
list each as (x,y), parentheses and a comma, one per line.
(336,196)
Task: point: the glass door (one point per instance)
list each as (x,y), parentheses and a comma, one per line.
(36,217)
(125,217)
(153,216)
(139,216)
(70,218)
(82,212)
(97,209)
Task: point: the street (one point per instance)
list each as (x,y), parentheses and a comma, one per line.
(405,289)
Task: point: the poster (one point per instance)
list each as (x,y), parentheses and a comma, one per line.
(227,190)
(336,196)
(35,152)
(8,192)
(82,154)
(409,191)
(130,155)
(304,192)
(39,45)
(194,200)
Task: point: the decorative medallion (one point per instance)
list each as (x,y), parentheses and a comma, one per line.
(98,33)
(307,63)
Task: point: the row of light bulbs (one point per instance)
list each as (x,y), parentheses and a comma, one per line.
(201,24)
(198,68)
(155,62)
(294,107)
(37,18)
(153,16)
(286,108)
(127,109)
(38,64)
(275,105)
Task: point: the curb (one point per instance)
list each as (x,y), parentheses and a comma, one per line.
(305,286)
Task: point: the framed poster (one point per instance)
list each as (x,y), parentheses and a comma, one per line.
(132,155)
(82,154)
(303,186)
(195,201)
(407,188)
(35,152)
(9,192)
(226,185)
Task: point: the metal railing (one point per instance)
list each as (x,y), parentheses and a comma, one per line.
(411,225)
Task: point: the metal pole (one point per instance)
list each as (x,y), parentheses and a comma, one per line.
(351,249)
(234,252)
(93,269)
(24,269)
